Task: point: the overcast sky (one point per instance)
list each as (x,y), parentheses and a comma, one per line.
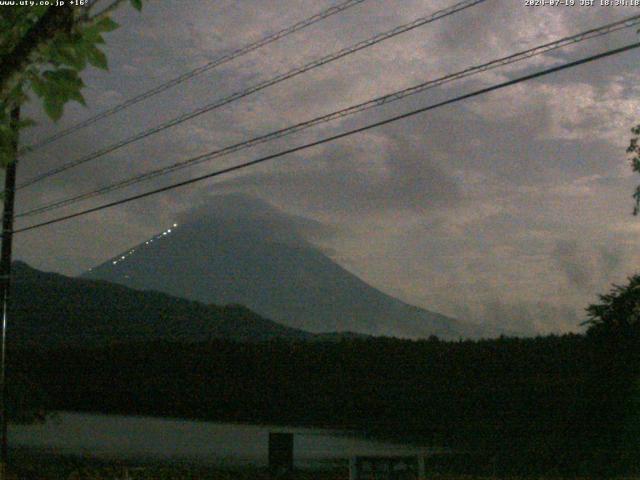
(512,208)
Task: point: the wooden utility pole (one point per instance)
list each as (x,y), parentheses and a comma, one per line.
(5,283)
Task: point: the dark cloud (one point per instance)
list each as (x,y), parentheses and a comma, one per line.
(588,266)
(252,215)
(573,264)
(611,260)
(349,179)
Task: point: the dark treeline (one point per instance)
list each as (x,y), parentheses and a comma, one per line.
(562,404)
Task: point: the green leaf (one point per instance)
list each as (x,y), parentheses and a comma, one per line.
(77,96)
(70,54)
(68,75)
(92,34)
(137,4)
(63,83)
(39,86)
(106,25)
(53,107)
(97,58)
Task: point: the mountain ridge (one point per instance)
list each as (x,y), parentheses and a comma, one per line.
(53,310)
(242,250)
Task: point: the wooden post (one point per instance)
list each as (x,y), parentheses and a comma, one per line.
(421,468)
(353,469)
(280,454)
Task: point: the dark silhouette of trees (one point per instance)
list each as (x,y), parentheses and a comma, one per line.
(618,314)
(614,338)
(634,150)
(512,404)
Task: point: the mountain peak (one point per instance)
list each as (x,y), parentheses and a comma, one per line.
(239,250)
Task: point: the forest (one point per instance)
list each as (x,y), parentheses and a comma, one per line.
(560,404)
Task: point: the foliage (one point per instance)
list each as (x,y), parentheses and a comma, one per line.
(49,65)
(619,311)
(614,335)
(634,149)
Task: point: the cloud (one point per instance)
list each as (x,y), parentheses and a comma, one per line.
(525,318)
(522,195)
(383,174)
(588,267)
(611,260)
(247,214)
(573,264)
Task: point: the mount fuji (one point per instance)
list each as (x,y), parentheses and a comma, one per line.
(241,250)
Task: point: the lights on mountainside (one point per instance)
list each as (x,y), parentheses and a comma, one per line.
(121,258)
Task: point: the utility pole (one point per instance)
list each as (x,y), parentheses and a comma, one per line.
(5,283)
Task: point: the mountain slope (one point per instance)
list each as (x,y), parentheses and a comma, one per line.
(244,251)
(51,309)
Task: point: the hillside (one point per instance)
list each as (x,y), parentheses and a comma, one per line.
(242,250)
(51,309)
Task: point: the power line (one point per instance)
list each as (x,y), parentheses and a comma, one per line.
(261,86)
(196,71)
(519,56)
(336,137)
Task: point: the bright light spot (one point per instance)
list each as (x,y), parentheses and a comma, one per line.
(169,231)
(115,262)
(175,225)
(123,257)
